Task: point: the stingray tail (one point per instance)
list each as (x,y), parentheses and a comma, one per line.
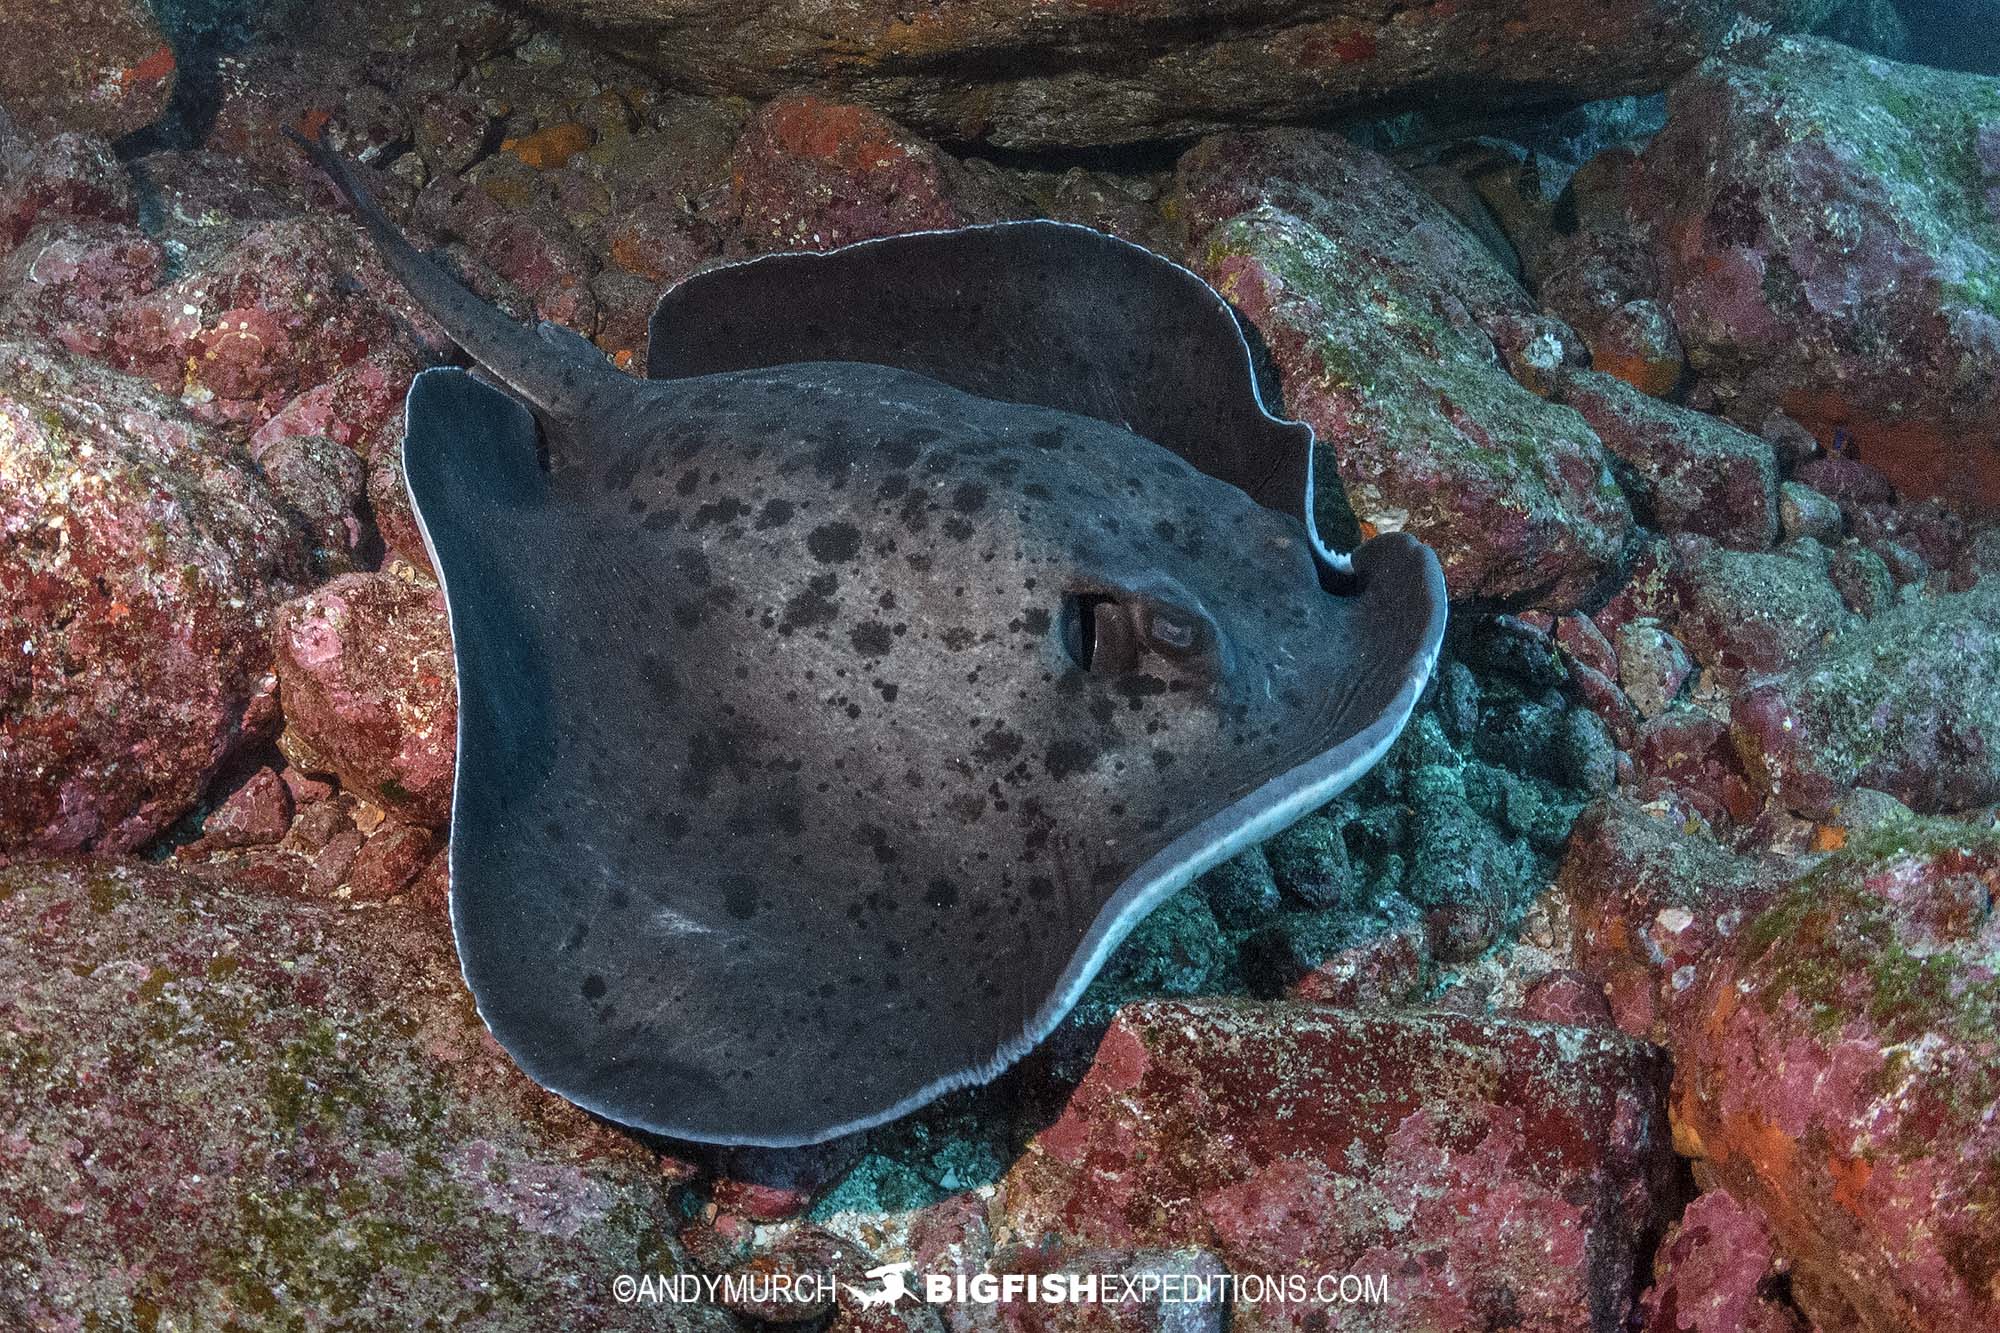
(542,365)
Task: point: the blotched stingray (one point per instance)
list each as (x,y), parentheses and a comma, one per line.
(834,701)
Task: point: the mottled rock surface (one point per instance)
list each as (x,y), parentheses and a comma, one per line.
(1077,72)
(1287,1138)
(144,563)
(1375,304)
(1745,613)
(364,667)
(1828,241)
(1908,704)
(228,1108)
(1681,470)
(1647,903)
(1718,1271)
(101,65)
(1839,1070)
(807,174)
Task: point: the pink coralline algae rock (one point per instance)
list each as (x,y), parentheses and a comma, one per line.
(1495,1172)
(1829,243)
(1747,613)
(140,568)
(365,677)
(1647,903)
(1068,72)
(1683,471)
(64,281)
(101,65)
(1377,306)
(361,407)
(1717,1272)
(808,174)
(69,177)
(258,812)
(281,1114)
(1838,1073)
(288,308)
(1686,756)
(1908,704)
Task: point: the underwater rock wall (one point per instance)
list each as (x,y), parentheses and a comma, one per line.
(1688,845)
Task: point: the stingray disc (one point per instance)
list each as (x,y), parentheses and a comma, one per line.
(833,701)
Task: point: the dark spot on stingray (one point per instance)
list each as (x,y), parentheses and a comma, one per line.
(593,987)
(1067,758)
(831,543)
(1038,356)
(998,744)
(871,638)
(739,896)
(1138,685)
(969,498)
(726,510)
(659,677)
(553,829)
(941,893)
(814,606)
(689,482)
(835,457)
(693,566)
(888,690)
(893,487)
(774,514)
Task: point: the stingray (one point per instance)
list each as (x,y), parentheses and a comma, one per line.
(836,698)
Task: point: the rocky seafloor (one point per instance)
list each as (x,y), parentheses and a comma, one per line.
(1652,982)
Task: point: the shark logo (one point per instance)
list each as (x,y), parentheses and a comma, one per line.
(892,1290)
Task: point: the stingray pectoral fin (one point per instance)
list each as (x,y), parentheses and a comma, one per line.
(1402,585)
(1398,595)
(1040,312)
(471,462)
(468,449)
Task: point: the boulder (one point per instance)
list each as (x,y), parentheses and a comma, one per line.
(99,65)
(1908,704)
(1488,1171)
(1381,313)
(141,566)
(1837,1070)
(365,675)
(280,1114)
(1073,72)
(1828,239)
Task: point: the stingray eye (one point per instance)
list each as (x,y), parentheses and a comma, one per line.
(1176,632)
(1097,632)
